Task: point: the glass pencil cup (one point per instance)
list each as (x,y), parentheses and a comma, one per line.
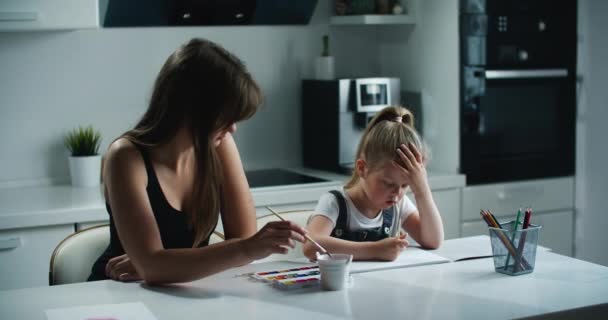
(514,251)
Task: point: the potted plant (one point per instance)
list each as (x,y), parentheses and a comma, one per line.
(84,160)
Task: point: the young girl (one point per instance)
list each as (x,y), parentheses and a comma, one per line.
(365,217)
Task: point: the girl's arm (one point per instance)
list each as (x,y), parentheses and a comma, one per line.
(424,225)
(320,228)
(238,211)
(125,179)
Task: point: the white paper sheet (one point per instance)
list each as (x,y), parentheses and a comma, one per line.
(410,257)
(121,311)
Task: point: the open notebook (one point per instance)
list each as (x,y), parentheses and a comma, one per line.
(411,257)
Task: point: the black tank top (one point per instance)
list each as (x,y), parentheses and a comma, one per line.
(172,224)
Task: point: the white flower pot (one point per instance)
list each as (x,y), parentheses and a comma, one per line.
(324,68)
(85,171)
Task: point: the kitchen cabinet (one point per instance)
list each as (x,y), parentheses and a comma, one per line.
(552,202)
(408,17)
(448,203)
(25,255)
(37,15)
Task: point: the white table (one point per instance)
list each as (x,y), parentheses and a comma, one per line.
(456,290)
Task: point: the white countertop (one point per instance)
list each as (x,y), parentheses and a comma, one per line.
(63,204)
(454,290)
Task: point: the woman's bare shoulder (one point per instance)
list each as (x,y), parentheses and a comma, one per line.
(123,157)
(122,149)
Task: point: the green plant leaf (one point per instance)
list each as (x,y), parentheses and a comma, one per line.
(83,141)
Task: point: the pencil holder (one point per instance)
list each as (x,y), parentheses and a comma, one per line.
(514,251)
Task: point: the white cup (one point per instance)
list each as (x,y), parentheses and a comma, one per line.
(335,270)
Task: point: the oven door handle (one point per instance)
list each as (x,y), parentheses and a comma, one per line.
(521,74)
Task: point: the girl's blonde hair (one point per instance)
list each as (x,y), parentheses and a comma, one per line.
(390,128)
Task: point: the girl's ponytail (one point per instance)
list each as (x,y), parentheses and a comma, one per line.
(382,136)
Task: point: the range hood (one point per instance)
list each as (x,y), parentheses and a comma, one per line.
(138,13)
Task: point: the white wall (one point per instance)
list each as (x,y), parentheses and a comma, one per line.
(51,82)
(426,58)
(592,150)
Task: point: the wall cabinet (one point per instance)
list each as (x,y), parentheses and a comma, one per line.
(36,15)
(25,255)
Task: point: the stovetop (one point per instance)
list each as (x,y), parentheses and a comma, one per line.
(278,177)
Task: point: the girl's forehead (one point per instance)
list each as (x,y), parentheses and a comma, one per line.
(390,171)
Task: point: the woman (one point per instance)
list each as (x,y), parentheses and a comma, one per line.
(167,179)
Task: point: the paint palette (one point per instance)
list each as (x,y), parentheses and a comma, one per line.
(302,277)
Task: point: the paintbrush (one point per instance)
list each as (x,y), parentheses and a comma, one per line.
(305,235)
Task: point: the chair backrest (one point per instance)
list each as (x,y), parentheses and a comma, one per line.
(74,256)
(300,217)
(216,237)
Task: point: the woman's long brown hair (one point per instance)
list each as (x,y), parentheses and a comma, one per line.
(390,128)
(204,88)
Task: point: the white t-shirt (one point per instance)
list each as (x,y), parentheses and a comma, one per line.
(328,207)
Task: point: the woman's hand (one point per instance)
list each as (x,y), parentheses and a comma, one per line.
(412,165)
(390,248)
(120,268)
(274,237)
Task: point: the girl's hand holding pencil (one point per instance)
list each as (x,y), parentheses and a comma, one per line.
(390,248)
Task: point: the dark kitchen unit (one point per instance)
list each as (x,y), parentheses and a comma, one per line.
(518,94)
(278,177)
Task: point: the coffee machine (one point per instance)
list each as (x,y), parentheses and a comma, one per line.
(335,114)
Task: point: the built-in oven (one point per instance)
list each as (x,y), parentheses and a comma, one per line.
(518,99)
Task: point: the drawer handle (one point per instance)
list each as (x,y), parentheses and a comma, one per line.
(528,193)
(18,16)
(10,243)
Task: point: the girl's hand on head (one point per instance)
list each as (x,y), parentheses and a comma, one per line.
(412,165)
(390,248)
(274,237)
(120,268)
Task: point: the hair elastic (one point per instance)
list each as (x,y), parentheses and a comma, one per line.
(398,119)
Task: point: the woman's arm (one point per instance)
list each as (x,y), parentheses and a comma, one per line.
(238,211)
(126,179)
(320,228)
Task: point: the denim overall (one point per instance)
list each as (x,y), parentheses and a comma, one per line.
(374,234)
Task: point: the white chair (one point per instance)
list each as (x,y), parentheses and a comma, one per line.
(216,237)
(74,256)
(300,217)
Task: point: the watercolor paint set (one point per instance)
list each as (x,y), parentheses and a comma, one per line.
(295,278)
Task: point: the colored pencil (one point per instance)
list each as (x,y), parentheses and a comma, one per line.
(522,241)
(491,221)
(515,224)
